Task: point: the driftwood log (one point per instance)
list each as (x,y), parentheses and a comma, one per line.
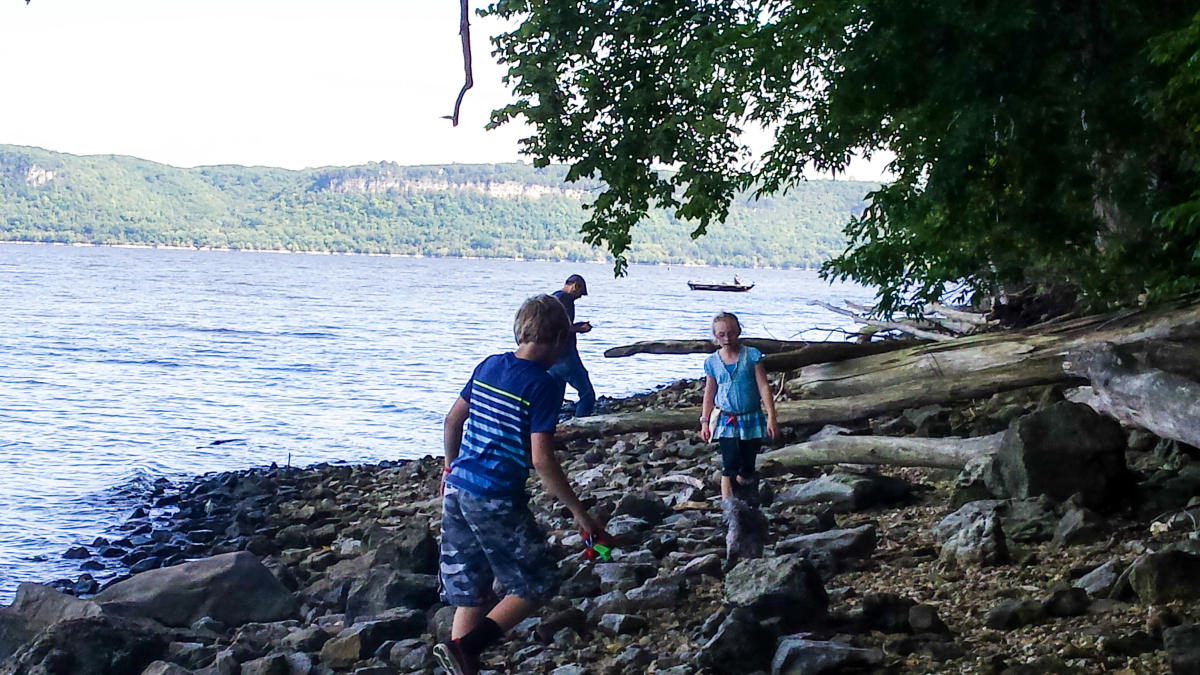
(944,361)
(951,453)
(913,394)
(1164,403)
(780,355)
(965,368)
(764,345)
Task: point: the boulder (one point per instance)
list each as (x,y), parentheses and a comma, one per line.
(621,624)
(924,619)
(622,576)
(887,612)
(1079,525)
(740,644)
(622,527)
(846,491)
(799,656)
(1066,448)
(233,588)
(271,664)
(97,645)
(854,543)
(1166,576)
(1014,614)
(413,548)
(361,640)
(646,506)
(1067,602)
(582,584)
(973,535)
(43,605)
(383,589)
(1183,648)
(1028,520)
(35,608)
(1100,582)
(165,668)
(657,593)
(787,587)
(15,630)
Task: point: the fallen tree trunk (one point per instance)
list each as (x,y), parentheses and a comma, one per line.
(764,345)
(970,367)
(831,352)
(934,362)
(912,394)
(780,355)
(1166,404)
(951,453)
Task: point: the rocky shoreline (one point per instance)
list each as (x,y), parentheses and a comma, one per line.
(1085,567)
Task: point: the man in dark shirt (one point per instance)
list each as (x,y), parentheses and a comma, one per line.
(569,368)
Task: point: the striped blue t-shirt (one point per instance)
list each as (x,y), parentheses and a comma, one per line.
(509,399)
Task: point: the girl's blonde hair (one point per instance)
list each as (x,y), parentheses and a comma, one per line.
(542,319)
(727,316)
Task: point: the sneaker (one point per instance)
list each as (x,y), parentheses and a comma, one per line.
(453,660)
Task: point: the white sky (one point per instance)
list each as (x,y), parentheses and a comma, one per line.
(289,83)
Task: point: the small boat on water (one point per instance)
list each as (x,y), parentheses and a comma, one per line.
(736,287)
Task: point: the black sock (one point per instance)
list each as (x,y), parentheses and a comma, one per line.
(482,636)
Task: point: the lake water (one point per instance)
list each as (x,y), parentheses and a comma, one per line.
(119,366)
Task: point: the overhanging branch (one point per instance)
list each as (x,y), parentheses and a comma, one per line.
(464,31)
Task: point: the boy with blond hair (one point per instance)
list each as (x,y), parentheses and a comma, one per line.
(501,425)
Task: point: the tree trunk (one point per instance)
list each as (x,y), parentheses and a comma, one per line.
(830,352)
(964,368)
(951,453)
(1163,403)
(912,394)
(934,362)
(702,347)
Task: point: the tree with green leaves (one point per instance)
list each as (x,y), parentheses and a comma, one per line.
(1036,142)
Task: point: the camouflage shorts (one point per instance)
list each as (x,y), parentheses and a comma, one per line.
(486,540)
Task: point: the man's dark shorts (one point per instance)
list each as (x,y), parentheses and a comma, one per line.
(738,455)
(493,539)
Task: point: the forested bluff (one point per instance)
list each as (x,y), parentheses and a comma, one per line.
(482,210)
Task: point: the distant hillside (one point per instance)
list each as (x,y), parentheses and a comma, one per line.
(503,210)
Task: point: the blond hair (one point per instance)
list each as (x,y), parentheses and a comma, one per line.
(727,316)
(542,319)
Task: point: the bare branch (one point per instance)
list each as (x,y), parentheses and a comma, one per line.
(464,31)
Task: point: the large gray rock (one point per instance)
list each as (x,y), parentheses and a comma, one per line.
(1183,648)
(413,548)
(1079,525)
(657,593)
(854,543)
(361,640)
(740,644)
(35,608)
(973,535)
(97,645)
(1014,614)
(383,589)
(848,491)
(800,656)
(1166,576)
(786,586)
(1100,582)
(1064,449)
(646,506)
(233,588)
(1028,520)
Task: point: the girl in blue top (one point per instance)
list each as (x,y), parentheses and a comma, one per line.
(735,393)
